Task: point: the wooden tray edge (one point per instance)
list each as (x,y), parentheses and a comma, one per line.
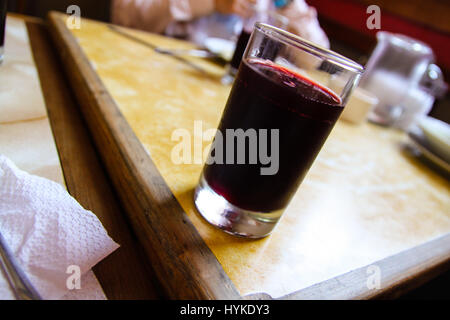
(399,274)
(85,177)
(185,266)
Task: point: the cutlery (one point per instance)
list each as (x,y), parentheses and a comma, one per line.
(16,278)
(187,52)
(422,146)
(173,54)
(199,53)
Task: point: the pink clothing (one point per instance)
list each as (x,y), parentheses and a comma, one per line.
(303,22)
(156,15)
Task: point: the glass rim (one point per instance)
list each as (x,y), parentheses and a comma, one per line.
(310,47)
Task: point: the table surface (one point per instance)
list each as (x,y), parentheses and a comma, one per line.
(363,200)
(25,134)
(383,205)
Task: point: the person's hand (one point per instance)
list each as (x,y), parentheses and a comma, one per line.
(239,7)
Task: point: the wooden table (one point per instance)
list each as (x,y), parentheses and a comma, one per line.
(125,274)
(176,248)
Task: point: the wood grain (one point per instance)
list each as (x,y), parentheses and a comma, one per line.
(125,274)
(181,260)
(398,274)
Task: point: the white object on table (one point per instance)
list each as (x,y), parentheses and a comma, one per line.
(358,106)
(51,236)
(416,104)
(437,134)
(26,137)
(401,102)
(20,91)
(221,47)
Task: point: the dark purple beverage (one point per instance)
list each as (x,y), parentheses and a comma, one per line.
(3,9)
(268,96)
(240,49)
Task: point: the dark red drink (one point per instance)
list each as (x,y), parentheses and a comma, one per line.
(3,9)
(267,96)
(240,49)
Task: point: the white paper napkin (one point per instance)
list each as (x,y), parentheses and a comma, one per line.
(49,233)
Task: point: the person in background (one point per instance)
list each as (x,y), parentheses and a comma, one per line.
(159,15)
(303,21)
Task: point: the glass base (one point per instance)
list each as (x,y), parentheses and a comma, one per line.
(231,219)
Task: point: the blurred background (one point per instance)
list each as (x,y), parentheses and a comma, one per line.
(344,22)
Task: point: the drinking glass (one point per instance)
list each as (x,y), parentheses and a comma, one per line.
(286,98)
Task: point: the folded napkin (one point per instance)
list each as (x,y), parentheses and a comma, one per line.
(50,234)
